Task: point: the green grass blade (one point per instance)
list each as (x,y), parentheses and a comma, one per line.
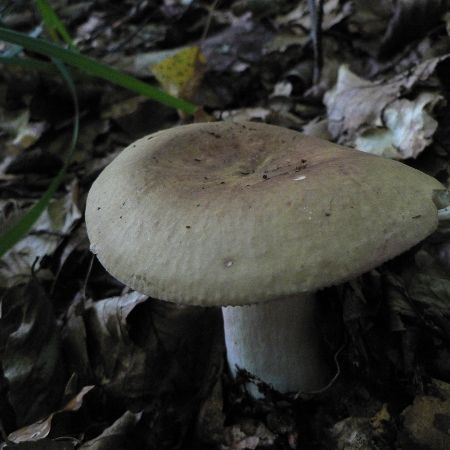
(53,24)
(96,69)
(29,63)
(16,231)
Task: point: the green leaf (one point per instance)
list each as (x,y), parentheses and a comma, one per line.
(29,63)
(95,68)
(53,24)
(17,230)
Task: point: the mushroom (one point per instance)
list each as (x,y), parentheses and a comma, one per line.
(254,218)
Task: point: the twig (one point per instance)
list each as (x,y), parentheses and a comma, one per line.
(316,14)
(208,21)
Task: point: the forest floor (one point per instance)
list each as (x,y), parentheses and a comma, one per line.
(87,363)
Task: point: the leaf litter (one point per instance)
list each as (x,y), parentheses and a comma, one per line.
(158,371)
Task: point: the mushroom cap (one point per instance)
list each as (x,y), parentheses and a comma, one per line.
(237,213)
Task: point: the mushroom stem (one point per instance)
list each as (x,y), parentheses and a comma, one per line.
(278,342)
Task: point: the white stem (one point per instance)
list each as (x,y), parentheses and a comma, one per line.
(278,342)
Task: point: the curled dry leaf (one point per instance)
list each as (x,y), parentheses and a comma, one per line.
(408,128)
(41,429)
(375,118)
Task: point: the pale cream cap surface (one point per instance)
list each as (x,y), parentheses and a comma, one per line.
(235,213)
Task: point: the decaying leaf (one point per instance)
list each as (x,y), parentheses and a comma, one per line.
(237,47)
(158,366)
(370,19)
(383,28)
(181,73)
(49,230)
(353,433)
(118,436)
(427,424)
(408,128)
(425,14)
(211,418)
(334,12)
(376,117)
(30,351)
(118,363)
(139,346)
(41,429)
(248,434)
(24,133)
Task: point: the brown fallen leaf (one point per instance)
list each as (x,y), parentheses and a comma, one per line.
(39,430)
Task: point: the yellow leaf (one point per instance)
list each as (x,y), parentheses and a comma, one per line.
(181,73)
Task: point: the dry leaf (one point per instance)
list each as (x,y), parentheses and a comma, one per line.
(31,358)
(47,233)
(41,429)
(374,117)
(181,73)
(117,436)
(408,128)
